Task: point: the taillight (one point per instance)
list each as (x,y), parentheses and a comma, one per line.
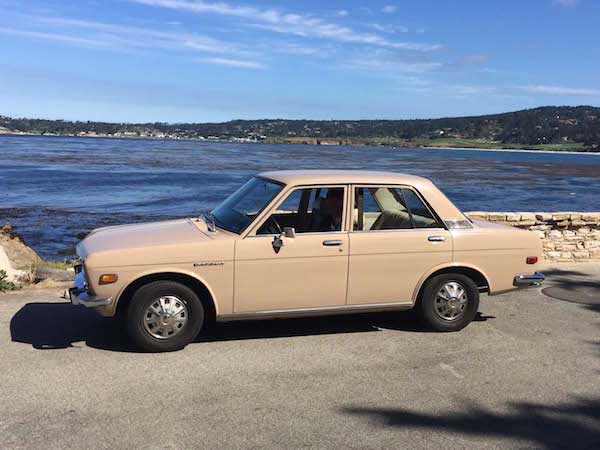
(531,259)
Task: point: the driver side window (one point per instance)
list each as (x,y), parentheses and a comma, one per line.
(310,210)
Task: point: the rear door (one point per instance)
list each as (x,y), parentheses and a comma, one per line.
(395,239)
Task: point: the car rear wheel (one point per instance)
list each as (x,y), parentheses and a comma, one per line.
(449,302)
(164,316)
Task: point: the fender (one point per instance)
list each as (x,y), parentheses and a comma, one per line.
(443,266)
(167,269)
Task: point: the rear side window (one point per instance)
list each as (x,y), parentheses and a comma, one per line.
(380,208)
(388,208)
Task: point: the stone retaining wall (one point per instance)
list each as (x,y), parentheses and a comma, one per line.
(566,236)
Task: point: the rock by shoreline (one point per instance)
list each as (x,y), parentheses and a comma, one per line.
(24,267)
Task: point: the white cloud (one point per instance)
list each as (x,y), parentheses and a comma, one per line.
(45,36)
(342,12)
(466,89)
(390,29)
(560,90)
(232,63)
(289,23)
(566,3)
(392,66)
(389,9)
(120,37)
(295,49)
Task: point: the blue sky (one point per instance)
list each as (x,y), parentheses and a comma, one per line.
(199,61)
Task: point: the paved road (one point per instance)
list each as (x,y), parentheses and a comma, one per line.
(525,374)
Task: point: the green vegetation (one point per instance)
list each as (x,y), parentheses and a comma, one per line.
(546,128)
(6,285)
(483,143)
(56,265)
(61,265)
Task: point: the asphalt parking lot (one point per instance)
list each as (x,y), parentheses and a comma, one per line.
(526,373)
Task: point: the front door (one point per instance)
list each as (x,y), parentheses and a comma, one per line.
(310,270)
(395,240)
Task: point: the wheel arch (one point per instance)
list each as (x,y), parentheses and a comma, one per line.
(200,287)
(477,275)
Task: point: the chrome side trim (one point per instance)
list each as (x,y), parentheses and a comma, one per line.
(301,312)
(534,279)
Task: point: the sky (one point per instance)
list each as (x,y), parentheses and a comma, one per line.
(218,60)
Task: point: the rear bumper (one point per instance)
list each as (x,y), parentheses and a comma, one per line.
(534,279)
(79,294)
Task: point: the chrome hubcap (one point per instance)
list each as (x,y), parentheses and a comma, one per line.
(165,317)
(451,301)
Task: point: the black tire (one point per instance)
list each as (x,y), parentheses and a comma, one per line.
(148,294)
(428,308)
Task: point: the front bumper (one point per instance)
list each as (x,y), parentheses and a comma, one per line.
(79,294)
(534,279)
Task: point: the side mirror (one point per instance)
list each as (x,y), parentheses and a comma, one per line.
(289,232)
(278,242)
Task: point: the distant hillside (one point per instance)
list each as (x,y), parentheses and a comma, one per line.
(553,127)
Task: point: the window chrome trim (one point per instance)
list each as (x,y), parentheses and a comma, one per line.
(312,233)
(400,230)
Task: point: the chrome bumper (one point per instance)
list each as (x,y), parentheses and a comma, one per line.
(534,279)
(79,294)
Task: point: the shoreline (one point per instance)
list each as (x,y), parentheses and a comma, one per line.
(242,141)
(511,150)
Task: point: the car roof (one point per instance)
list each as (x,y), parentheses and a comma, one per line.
(298,177)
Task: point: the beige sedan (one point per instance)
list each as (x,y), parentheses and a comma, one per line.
(302,243)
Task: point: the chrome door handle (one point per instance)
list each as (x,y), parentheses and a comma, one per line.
(436,238)
(332,242)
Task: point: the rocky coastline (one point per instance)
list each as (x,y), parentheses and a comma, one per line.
(21,266)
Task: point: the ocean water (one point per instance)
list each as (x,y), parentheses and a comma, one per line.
(53,189)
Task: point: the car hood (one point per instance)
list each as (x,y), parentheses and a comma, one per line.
(142,236)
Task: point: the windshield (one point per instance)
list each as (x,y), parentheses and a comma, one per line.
(236,213)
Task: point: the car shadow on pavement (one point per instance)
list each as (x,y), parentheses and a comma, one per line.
(61,325)
(307,326)
(573,424)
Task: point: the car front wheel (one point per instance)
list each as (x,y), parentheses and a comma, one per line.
(164,316)
(449,302)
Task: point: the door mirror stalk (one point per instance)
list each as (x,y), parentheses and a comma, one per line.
(289,232)
(278,242)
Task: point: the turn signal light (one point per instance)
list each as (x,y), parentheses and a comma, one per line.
(108,278)
(531,259)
